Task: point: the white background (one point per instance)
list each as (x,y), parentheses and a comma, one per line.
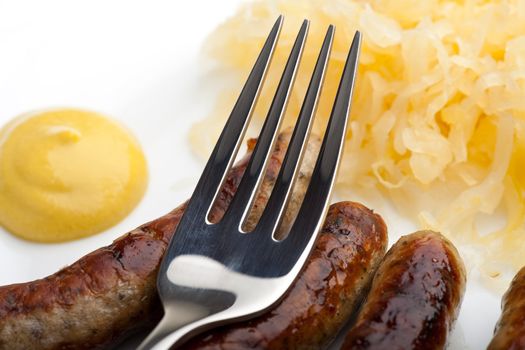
(139,63)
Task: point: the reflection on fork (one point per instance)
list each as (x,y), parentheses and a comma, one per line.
(215,273)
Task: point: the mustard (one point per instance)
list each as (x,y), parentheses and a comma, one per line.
(67,174)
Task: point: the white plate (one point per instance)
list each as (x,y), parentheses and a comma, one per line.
(138,62)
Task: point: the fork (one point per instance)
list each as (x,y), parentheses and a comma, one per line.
(215,273)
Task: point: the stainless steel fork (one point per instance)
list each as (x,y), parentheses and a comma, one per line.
(215,273)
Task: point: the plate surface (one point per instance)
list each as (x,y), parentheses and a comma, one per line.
(138,62)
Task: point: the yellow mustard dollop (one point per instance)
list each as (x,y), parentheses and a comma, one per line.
(66,174)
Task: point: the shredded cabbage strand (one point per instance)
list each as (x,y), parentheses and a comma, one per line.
(438,118)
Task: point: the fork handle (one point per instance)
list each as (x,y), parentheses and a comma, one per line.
(185,320)
(172,329)
(189,311)
(201,293)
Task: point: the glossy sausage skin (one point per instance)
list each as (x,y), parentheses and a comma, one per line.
(109,293)
(415,296)
(510,330)
(328,291)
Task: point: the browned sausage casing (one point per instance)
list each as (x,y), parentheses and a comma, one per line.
(510,330)
(329,289)
(415,296)
(111,292)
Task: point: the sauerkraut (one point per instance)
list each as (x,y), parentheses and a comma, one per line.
(438,119)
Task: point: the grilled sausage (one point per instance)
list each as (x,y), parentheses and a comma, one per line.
(510,329)
(414,298)
(111,292)
(329,289)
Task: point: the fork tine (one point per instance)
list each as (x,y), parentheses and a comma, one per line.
(254,172)
(272,215)
(226,148)
(317,196)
